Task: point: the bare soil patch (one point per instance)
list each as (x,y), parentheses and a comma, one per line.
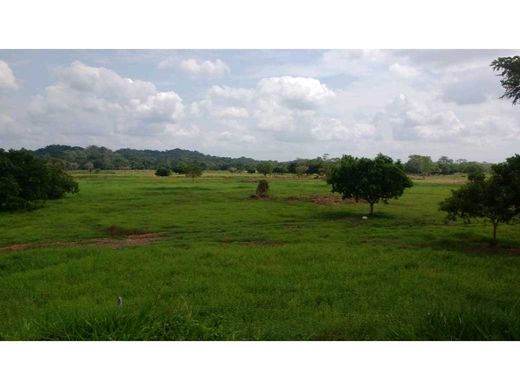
(126,241)
(324,199)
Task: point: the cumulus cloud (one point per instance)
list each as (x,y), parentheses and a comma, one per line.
(215,68)
(411,120)
(95,101)
(7,79)
(294,92)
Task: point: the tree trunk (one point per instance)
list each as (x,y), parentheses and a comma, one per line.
(495,224)
(371,209)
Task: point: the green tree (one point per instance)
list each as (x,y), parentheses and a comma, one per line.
(26,180)
(264,168)
(193,170)
(374,180)
(496,198)
(162,172)
(446,165)
(421,165)
(509,69)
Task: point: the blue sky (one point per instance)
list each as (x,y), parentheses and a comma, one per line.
(276,104)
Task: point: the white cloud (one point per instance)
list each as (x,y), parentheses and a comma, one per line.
(7,79)
(231,112)
(226,92)
(411,120)
(94,101)
(403,70)
(205,68)
(294,92)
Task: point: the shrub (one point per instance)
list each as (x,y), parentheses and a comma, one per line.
(27,180)
(262,189)
(496,198)
(162,172)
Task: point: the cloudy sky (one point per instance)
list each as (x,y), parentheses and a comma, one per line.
(279,104)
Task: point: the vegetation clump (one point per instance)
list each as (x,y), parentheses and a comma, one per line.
(262,189)
(162,172)
(496,198)
(509,69)
(374,180)
(265,168)
(193,171)
(27,181)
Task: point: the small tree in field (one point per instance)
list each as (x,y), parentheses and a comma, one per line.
(89,165)
(193,171)
(496,198)
(264,168)
(162,172)
(301,170)
(374,180)
(262,189)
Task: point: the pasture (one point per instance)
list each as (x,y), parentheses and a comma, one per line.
(202,260)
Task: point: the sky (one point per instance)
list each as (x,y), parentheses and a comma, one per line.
(265,104)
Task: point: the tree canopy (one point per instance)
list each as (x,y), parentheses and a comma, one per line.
(496,198)
(26,180)
(373,180)
(509,69)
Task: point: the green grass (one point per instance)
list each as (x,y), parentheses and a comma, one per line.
(229,267)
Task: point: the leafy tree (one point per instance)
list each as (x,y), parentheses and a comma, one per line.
(280,169)
(374,180)
(301,170)
(162,172)
(264,168)
(251,169)
(193,171)
(422,165)
(89,165)
(496,198)
(26,180)
(509,69)
(446,165)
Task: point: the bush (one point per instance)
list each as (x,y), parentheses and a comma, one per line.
(262,189)
(27,180)
(162,172)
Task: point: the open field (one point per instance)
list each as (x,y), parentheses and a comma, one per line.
(202,260)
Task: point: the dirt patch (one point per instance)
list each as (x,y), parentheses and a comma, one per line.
(117,231)
(128,241)
(488,248)
(265,243)
(323,199)
(254,242)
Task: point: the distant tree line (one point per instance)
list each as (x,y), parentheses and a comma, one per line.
(424,165)
(27,181)
(181,161)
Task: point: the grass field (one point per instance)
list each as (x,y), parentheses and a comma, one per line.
(201,260)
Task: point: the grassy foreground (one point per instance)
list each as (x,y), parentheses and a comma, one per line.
(223,266)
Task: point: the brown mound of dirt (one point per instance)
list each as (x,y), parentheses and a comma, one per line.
(130,240)
(323,199)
